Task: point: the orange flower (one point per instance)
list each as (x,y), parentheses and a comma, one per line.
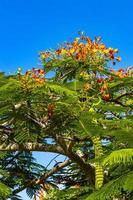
(111,51)
(58,52)
(72,50)
(102,46)
(106,97)
(89,40)
(75,42)
(115,50)
(87,86)
(84,48)
(121,70)
(111,78)
(100,68)
(118,59)
(105,86)
(100,80)
(45,55)
(78,56)
(40,72)
(112,56)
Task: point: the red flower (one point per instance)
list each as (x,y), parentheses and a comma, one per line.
(100,80)
(111,51)
(121,70)
(111,78)
(106,97)
(112,56)
(58,52)
(51,108)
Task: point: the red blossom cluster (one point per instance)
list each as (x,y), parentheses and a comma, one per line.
(83,48)
(38,75)
(51,108)
(103,82)
(104,89)
(123,73)
(35,75)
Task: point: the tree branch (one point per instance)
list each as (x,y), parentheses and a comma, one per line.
(125,94)
(88,169)
(29,146)
(44,176)
(53,171)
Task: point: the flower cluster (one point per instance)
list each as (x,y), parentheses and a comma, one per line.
(51,108)
(103,82)
(83,48)
(122,73)
(35,74)
(31,78)
(45,55)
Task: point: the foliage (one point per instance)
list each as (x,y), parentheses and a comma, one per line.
(124,156)
(115,188)
(84,112)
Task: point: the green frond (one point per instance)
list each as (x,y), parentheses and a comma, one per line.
(120,156)
(99,176)
(2,154)
(111,107)
(9,89)
(120,83)
(114,188)
(3,173)
(5,191)
(60,89)
(70,193)
(99,173)
(87,124)
(71,85)
(122,136)
(128,185)
(97,146)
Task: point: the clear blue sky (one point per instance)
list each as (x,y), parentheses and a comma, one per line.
(28,26)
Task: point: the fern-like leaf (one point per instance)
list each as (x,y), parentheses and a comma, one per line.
(99,176)
(120,156)
(4,191)
(114,188)
(97,146)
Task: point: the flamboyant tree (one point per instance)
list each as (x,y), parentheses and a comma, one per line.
(84,111)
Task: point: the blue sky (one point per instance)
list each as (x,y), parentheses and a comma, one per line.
(29,26)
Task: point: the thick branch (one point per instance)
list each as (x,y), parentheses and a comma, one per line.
(85,167)
(29,146)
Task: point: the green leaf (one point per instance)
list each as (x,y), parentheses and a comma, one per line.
(124,156)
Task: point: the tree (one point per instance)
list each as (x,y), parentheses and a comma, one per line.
(83,105)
